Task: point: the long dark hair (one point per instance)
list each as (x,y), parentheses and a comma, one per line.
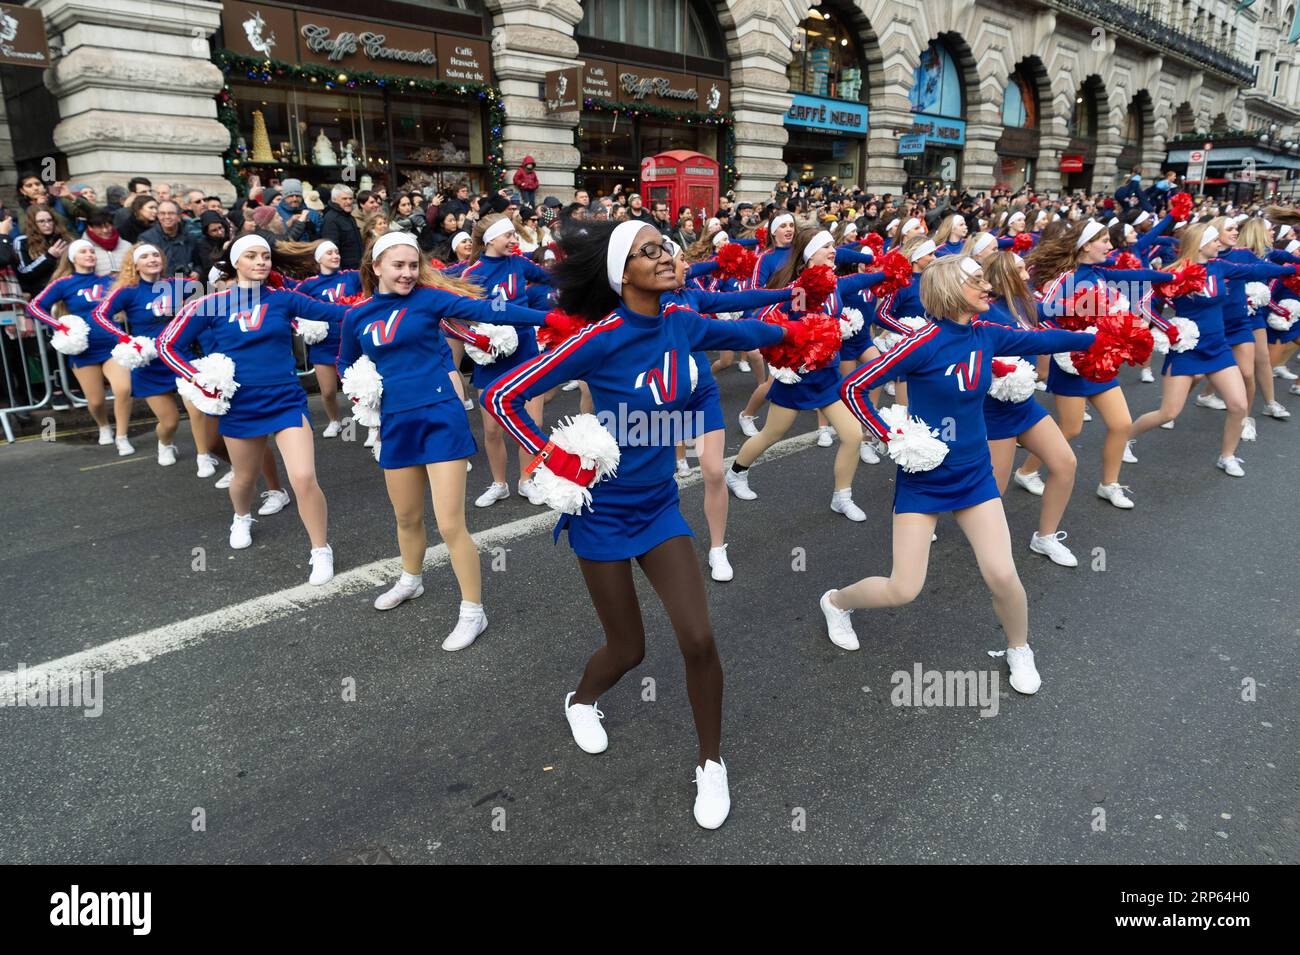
(795,263)
(580,273)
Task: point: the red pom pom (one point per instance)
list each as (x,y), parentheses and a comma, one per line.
(1121,338)
(1084,308)
(1190,280)
(817,284)
(560,326)
(437,264)
(761,235)
(1127,260)
(1180,206)
(1002,368)
(351,299)
(1292,282)
(898,273)
(274,279)
(812,342)
(1022,243)
(736,261)
(875,242)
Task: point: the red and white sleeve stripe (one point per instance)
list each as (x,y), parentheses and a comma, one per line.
(855,387)
(105,309)
(39,307)
(175,328)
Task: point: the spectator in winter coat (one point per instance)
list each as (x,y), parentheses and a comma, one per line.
(40,248)
(291,205)
(110,247)
(169,236)
(340,228)
(216,233)
(142,214)
(526,180)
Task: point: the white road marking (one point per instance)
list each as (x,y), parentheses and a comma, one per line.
(151,644)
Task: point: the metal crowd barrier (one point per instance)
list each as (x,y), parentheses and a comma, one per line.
(29,375)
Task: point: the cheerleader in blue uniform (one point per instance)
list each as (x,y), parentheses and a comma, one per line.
(505,277)
(950,236)
(1012,225)
(900,233)
(780,233)
(948,364)
(1283,343)
(424,433)
(635,356)
(1212,356)
(76,288)
(1061,266)
(1026,422)
(750,361)
(329,285)
(901,310)
(817,389)
(253,326)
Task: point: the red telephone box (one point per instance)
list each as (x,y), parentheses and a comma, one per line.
(681,177)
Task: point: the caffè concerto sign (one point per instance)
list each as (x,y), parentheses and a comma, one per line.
(300,36)
(624,83)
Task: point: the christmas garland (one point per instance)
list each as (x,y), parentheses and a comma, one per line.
(266,70)
(686,117)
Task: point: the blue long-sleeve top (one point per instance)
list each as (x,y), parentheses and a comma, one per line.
(1206,309)
(1148,241)
(1283,257)
(540,296)
(949,248)
(80,295)
(253,326)
(771,260)
(635,366)
(900,304)
(1236,310)
(949,367)
(332,287)
(148,306)
(706,301)
(1135,284)
(401,334)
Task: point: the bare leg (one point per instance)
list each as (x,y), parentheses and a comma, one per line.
(246,458)
(1045,440)
(778,422)
(985,526)
(120,379)
(447,479)
(1263,370)
(169,419)
(1174,390)
(406,494)
(327,377)
(299,453)
(710,447)
(90,378)
(1114,411)
(1233,391)
(756,400)
(495,446)
(850,432)
(912,533)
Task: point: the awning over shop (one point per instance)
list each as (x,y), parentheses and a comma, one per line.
(1237,156)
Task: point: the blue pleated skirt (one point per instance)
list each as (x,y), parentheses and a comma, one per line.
(427,435)
(259,410)
(625,521)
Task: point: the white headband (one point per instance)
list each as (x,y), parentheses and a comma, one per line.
(1240,219)
(77,246)
(1089,233)
(1019,260)
(850,227)
(1209,235)
(498,229)
(1293,245)
(1284,231)
(892,223)
(1014,216)
(970,266)
(1142,218)
(215,275)
(982,243)
(713,222)
(390,239)
(816,242)
(909,224)
(925,248)
(620,247)
(1114,220)
(140,251)
(548,255)
(781,220)
(458,238)
(246,242)
(322,249)
(719,238)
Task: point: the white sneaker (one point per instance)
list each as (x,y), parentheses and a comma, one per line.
(408,587)
(124,446)
(332,429)
(1129,456)
(207,464)
(839,624)
(273,502)
(569,386)
(1024,675)
(1086,416)
(223,482)
(719,566)
(842,503)
(1275,409)
(1211,401)
(495,492)
(584,722)
(1168,425)
(1282,371)
(738,484)
(241,531)
(1232,466)
(1248,432)
(472,622)
(1030,482)
(1295,389)
(743,366)
(824,437)
(372,437)
(891,389)
(1115,494)
(528,488)
(105,435)
(747,425)
(712,800)
(1051,547)
(322,565)
(683,468)
(166,455)
(1147,376)
(867,453)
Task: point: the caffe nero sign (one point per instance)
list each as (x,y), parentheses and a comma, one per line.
(827,115)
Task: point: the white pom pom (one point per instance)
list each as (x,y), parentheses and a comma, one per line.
(1119,303)
(503,338)
(915,322)
(1161,346)
(1189,333)
(586,437)
(365,386)
(75,340)
(695,373)
(1062,358)
(886,341)
(1283,323)
(787,376)
(1018,385)
(913,444)
(1257,295)
(312,332)
(136,353)
(213,373)
(850,322)
(727,316)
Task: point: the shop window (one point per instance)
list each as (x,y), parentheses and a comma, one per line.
(826,59)
(670,26)
(1020,103)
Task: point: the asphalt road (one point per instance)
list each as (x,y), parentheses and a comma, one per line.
(225,735)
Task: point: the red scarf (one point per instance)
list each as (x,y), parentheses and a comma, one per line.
(109,244)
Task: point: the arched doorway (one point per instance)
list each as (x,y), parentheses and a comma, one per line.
(1080,155)
(1133,138)
(932,151)
(1018,146)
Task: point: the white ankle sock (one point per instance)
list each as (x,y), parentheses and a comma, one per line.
(467,606)
(411,580)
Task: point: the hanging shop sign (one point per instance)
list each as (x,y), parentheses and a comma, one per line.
(563,90)
(302,36)
(1072,162)
(827,115)
(22,37)
(638,84)
(939,130)
(911,144)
